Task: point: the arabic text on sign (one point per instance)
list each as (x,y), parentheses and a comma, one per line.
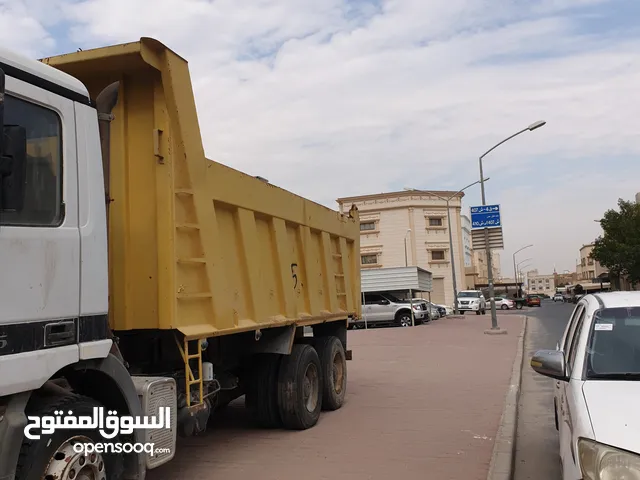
(108,426)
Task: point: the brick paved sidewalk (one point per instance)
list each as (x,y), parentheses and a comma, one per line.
(422,403)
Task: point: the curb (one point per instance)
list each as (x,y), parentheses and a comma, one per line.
(502,457)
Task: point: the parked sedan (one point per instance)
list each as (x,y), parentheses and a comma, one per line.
(596,366)
(434,311)
(533,301)
(504,303)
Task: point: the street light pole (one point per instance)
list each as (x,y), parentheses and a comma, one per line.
(494,316)
(515,272)
(453,264)
(521,269)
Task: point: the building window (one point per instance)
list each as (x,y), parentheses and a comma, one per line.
(369,259)
(437,255)
(590,261)
(435,222)
(533,287)
(583,262)
(42,204)
(364,226)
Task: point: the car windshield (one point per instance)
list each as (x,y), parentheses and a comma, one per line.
(468,295)
(614,344)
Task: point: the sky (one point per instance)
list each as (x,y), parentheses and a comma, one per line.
(336,98)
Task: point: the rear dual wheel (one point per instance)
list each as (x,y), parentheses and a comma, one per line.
(290,390)
(300,388)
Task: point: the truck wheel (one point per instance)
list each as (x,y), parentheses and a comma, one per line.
(478,312)
(334,372)
(300,388)
(518,306)
(53,456)
(262,397)
(403,319)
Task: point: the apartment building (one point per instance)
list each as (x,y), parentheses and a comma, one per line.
(588,269)
(466,240)
(565,278)
(537,283)
(410,228)
(480,264)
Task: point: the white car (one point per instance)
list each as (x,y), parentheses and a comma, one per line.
(597,393)
(558,297)
(472,301)
(504,303)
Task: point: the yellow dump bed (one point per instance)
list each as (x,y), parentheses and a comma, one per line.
(195,245)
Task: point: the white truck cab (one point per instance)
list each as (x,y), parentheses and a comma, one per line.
(53,252)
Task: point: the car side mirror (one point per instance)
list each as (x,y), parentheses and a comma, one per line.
(384,302)
(550,363)
(13,159)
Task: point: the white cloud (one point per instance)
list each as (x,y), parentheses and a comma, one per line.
(23,25)
(331,98)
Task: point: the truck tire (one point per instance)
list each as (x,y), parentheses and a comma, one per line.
(262,396)
(300,388)
(53,456)
(403,318)
(334,372)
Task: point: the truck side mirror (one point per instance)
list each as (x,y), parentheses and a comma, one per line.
(13,159)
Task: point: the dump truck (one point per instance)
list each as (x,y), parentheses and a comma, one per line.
(139,277)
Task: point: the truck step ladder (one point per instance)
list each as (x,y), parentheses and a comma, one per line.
(190,379)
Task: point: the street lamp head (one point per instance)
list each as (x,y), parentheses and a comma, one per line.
(538,124)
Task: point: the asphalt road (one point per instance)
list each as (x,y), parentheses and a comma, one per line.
(537,446)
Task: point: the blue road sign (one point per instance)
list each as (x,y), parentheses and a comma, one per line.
(486,216)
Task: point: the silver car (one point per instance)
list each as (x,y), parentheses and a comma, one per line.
(386,308)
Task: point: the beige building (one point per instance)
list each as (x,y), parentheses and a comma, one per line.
(389,221)
(588,268)
(537,283)
(480,266)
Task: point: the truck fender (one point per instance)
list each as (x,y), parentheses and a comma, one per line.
(109,382)
(105,380)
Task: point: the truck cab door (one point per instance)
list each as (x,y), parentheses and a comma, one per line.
(39,242)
